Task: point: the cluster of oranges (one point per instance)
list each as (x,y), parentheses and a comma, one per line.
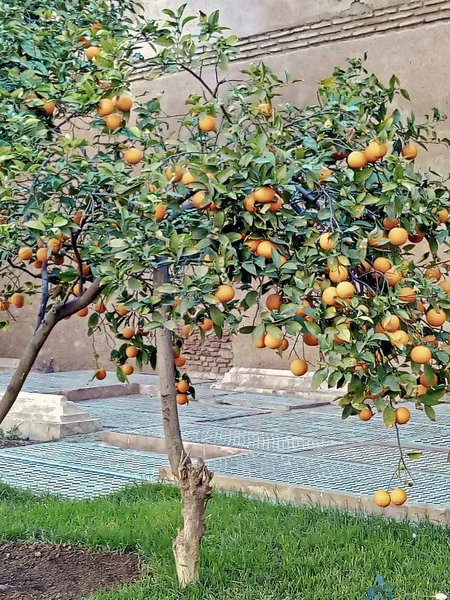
(263,196)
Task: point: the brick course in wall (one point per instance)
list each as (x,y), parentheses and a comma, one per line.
(214,357)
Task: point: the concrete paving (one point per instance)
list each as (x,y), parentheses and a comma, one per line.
(308,447)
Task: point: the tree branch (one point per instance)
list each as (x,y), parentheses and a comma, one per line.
(44,296)
(68,309)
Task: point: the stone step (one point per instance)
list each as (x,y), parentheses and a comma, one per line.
(8,365)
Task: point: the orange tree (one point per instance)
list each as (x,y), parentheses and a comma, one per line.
(140,231)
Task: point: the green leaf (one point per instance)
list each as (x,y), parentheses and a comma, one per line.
(93,320)
(135,285)
(216,316)
(36,225)
(429,411)
(319,377)
(389,416)
(120,375)
(414,455)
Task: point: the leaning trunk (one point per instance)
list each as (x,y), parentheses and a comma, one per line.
(195,481)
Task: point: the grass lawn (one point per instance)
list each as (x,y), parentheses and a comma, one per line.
(252,550)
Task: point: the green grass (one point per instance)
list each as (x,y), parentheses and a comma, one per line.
(252,550)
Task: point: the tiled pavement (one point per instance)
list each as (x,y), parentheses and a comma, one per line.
(310,447)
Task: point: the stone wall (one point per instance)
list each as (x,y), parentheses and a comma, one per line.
(213,358)
(307,38)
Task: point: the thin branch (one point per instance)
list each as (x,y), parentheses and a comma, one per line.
(44,297)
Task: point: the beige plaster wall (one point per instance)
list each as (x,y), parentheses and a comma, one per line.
(307,38)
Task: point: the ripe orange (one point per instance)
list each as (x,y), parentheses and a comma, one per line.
(54,245)
(445,285)
(128,370)
(113,122)
(365,414)
(252,244)
(274,302)
(345,290)
(325,241)
(408,295)
(207,324)
(372,152)
(284,344)
(96,26)
(272,341)
(299,367)
(121,310)
(160,212)
(105,107)
(208,123)
(339,274)
(421,390)
(375,239)
(260,343)
(418,237)
(83,312)
(382,498)
(410,151)
(25,253)
(424,381)
(37,264)
(187,178)
(356,160)
(265,249)
(390,223)
(264,195)
(180,361)
(198,200)
(128,332)
(17,300)
(393,277)
(398,236)
(310,339)
(382,264)
(42,255)
(186,330)
(329,296)
(431,339)
(436,318)
(264,108)
(132,351)
(249,203)
(398,496)
(100,374)
(224,293)
(300,312)
(276,204)
(133,156)
(4,305)
(433,273)
(124,103)
(399,337)
(174,173)
(92,52)
(182,399)
(183,386)
(443,215)
(391,323)
(325,173)
(49,107)
(77,291)
(58,260)
(402,415)
(421,355)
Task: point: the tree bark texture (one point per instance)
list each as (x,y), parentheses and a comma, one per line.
(195,480)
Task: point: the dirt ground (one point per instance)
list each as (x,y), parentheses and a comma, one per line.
(52,572)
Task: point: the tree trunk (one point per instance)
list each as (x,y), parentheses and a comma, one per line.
(194,480)
(44,329)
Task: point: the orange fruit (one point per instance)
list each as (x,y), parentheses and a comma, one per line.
(299,367)
(121,310)
(264,195)
(325,173)
(25,253)
(310,339)
(133,156)
(83,312)
(398,496)
(285,344)
(198,200)
(325,241)
(356,159)
(207,324)
(186,330)
(372,152)
(77,290)
(382,264)
(128,370)
(260,343)
(421,390)
(100,374)
(105,107)
(182,399)
(265,249)
(58,260)
(174,173)
(42,255)
(17,300)
(329,296)
(274,302)
(402,415)
(92,52)
(431,339)
(409,151)
(424,381)
(4,305)
(408,295)
(443,215)
(183,386)
(421,355)
(124,103)
(433,273)
(339,274)
(418,237)
(399,337)
(300,312)
(445,285)
(54,245)
(132,351)
(391,323)
(264,108)
(252,244)
(398,236)
(128,332)
(272,341)
(375,239)
(393,277)
(160,212)
(49,107)
(208,123)
(365,414)
(249,203)
(180,361)
(345,290)
(37,264)
(390,223)
(113,122)
(224,293)
(96,26)
(276,204)
(382,498)
(187,178)
(436,318)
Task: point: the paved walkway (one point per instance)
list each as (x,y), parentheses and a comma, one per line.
(308,447)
